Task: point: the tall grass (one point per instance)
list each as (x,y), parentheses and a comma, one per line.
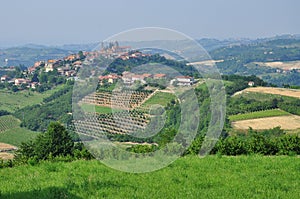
(188,177)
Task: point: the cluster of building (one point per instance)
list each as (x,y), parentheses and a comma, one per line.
(129,78)
(69,65)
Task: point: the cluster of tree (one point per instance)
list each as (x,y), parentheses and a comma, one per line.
(4,112)
(291,79)
(239,83)
(268,142)
(55,143)
(119,65)
(244,105)
(259,144)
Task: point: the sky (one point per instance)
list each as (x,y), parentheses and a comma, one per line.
(59,22)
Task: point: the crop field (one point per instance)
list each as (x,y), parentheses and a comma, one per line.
(290,122)
(258,114)
(16,136)
(8,122)
(98,109)
(5,151)
(118,99)
(269,90)
(160,98)
(6,156)
(282,65)
(188,177)
(11,101)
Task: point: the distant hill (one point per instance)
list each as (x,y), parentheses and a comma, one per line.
(27,55)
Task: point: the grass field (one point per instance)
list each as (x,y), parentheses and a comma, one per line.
(98,109)
(258,114)
(269,90)
(188,177)
(290,122)
(16,136)
(12,133)
(160,98)
(11,101)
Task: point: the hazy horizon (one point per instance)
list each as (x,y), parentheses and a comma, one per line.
(57,23)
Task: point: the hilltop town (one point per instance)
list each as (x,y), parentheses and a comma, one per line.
(43,75)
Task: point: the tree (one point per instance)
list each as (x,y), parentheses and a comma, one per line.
(14,88)
(35,78)
(55,142)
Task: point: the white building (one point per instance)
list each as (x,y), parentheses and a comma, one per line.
(184,80)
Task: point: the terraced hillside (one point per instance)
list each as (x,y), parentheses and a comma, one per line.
(118,99)
(107,113)
(125,122)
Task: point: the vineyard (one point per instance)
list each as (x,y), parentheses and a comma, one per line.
(8,122)
(118,112)
(126,100)
(125,122)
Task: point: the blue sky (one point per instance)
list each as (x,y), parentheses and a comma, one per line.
(83,21)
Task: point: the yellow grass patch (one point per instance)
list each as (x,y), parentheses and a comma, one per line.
(290,122)
(282,65)
(276,91)
(6,156)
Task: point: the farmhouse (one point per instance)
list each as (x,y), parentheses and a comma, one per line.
(159,76)
(184,80)
(20,81)
(111,78)
(4,78)
(127,77)
(251,83)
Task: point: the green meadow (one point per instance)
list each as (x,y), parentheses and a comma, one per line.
(188,177)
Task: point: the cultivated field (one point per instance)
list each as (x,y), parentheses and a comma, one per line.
(11,101)
(6,156)
(258,114)
(290,122)
(98,109)
(282,65)
(188,177)
(269,90)
(4,149)
(16,136)
(7,122)
(159,98)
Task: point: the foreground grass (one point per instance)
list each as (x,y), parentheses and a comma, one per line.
(258,114)
(188,177)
